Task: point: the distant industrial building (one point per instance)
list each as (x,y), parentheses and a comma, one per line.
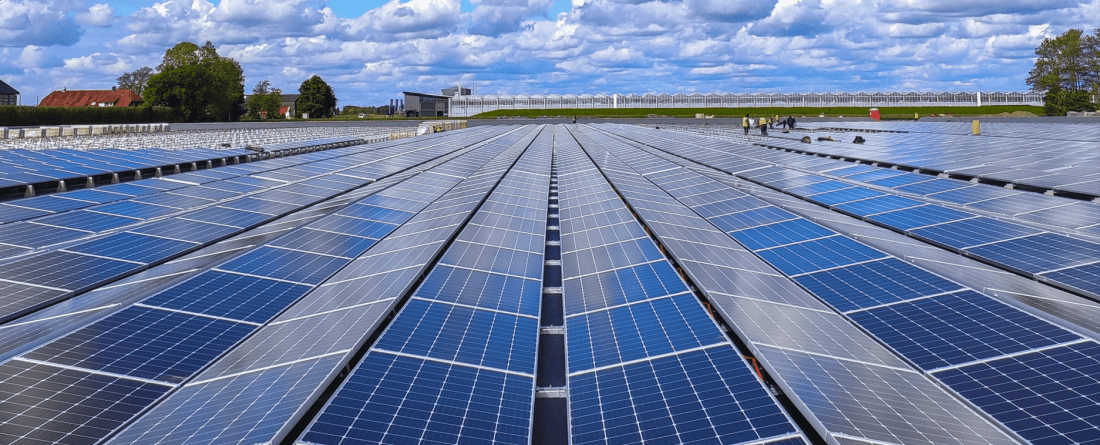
(457,91)
(426,105)
(114,97)
(8,95)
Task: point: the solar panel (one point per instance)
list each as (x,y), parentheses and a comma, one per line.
(679,399)
(973,232)
(1039,253)
(86,220)
(958,328)
(36,235)
(291,265)
(482,289)
(870,284)
(1083,278)
(147,343)
(232,296)
(186,230)
(64,270)
(1045,396)
(36,403)
(824,253)
(780,234)
(134,209)
(140,248)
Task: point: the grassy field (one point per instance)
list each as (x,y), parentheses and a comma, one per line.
(887,113)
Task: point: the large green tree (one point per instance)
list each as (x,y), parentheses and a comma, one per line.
(316,98)
(1068,61)
(197,83)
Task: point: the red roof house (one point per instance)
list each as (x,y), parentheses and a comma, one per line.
(92,98)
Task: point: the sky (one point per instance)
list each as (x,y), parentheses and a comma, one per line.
(370,51)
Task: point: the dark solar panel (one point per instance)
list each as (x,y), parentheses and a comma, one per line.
(843,196)
(87,220)
(284,264)
(815,255)
(63,270)
(1048,396)
(482,289)
(878,205)
(133,247)
(489,339)
(1039,253)
(37,404)
(232,296)
(958,328)
(780,234)
(393,399)
(871,284)
(186,230)
(973,232)
(685,398)
(922,216)
(146,343)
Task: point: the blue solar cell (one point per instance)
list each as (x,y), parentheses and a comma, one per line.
(460,334)
(597,291)
(38,404)
(610,256)
(10,213)
(376,213)
(134,209)
(1085,278)
(972,232)
(95,195)
(871,284)
(819,187)
(186,230)
(133,247)
(958,328)
(922,216)
(781,233)
(878,205)
(935,186)
(86,220)
(64,270)
(353,226)
(284,264)
(901,180)
(1039,253)
(252,204)
(819,254)
(32,235)
(228,217)
(52,203)
(391,202)
(146,343)
(637,331)
(494,259)
(706,396)
(395,399)
(131,189)
(232,296)
(173,200)
(843,196)
(328,243)
(881,173)
(752,218)
(482,289)
(1047,396)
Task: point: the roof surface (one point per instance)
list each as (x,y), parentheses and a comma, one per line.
(85,98)
(7,89)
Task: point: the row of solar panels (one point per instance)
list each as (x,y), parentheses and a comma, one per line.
(1067,129)
(20,169)
(873,193)
(168,337)
(38,206)
(1061,166)
(1007,362)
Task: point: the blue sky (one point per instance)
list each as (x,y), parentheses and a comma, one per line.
(371,50)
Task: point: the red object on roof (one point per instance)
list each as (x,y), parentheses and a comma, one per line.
(283,110)
(91,98)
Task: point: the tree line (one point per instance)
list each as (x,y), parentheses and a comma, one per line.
(1068,71)
(198,84)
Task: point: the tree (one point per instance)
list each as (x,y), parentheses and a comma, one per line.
(316,98)
(1057,101)
(136,80)
(264,99)
(1064,62)
(197,83)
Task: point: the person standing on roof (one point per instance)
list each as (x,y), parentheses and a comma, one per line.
(764,126)
(790,122)
(774,121)
(745,124)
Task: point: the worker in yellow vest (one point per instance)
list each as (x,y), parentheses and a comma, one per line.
(745,124)
(764,126)
(773,121)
